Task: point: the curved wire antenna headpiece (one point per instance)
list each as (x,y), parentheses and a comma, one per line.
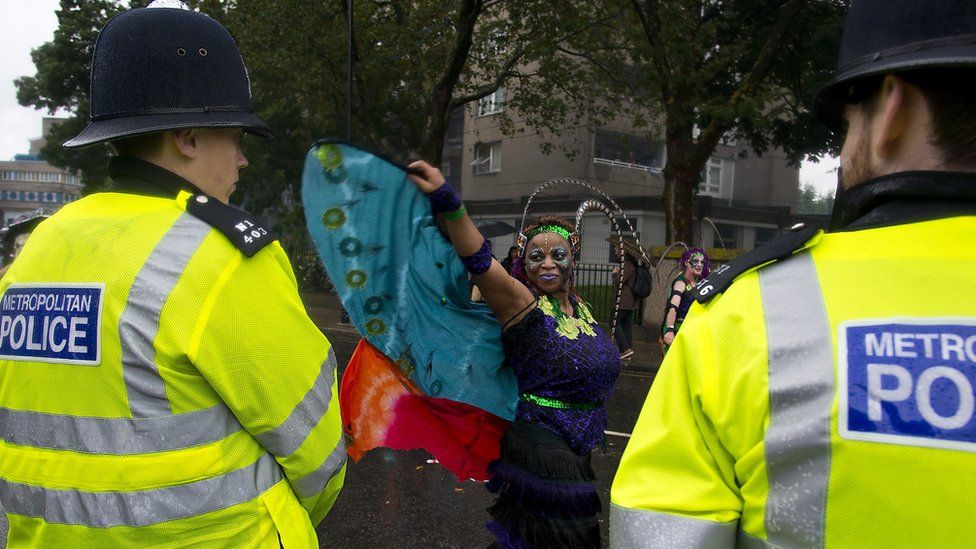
(613,211)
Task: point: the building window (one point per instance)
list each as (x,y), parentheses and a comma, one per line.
(487,158)
(623,150)
(492,103)
(764,235)
(726,236)
(711,179)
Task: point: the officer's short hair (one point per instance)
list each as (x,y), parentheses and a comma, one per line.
(948,93)
(144,146)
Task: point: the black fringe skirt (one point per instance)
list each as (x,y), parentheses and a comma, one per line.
(546,493)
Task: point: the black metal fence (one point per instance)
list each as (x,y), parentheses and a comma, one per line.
(594,283)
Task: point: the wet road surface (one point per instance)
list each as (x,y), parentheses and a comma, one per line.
(397,499)
(400,500)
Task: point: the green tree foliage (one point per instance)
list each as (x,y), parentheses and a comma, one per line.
(809,201)
(63,77)
(741,69)
(738,67)
(62,82)
(698,72)
(414,63)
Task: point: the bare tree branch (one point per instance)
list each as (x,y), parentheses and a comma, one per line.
(504,73)
(711,134)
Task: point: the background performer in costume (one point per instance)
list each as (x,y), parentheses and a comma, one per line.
(694,266)
(565,367)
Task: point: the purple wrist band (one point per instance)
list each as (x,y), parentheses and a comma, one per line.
(478,262)
(444,199)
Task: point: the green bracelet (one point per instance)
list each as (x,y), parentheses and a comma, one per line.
(456,214)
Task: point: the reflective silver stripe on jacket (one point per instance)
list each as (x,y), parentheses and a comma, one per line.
(801,390)
(283,440)
(315,482)
(642,529)
(745,541)
(143,507)
(118,436)
(139,322)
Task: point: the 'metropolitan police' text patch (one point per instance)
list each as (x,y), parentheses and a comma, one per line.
(51,323)
(909,381)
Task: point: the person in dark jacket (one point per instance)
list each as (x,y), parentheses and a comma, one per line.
(623,334)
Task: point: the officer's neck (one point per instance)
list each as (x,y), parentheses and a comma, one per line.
(137,176)
(185,169)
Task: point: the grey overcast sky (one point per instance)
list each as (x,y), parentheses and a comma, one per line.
(26,24)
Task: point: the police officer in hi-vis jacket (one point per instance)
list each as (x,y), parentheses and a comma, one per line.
(821,391)
(161,384)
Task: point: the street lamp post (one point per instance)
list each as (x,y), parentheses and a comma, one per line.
(350,64)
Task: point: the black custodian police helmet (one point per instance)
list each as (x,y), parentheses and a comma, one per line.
(165,67)
(889,36)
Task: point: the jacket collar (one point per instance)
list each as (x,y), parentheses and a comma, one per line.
(134,176)
(905,197)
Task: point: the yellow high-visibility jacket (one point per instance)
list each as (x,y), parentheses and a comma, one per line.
(826,399)
(158,388)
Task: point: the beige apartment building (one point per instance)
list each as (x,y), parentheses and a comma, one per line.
(741,203)
(28,183)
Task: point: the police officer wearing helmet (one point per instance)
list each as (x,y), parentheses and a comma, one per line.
(821,391)
(160,381)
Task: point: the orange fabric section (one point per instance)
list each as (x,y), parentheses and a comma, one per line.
(382,407)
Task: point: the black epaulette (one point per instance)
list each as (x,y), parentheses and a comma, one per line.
(241,228)
(783,246)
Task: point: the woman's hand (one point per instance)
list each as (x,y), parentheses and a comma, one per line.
(668,338)
(426,177)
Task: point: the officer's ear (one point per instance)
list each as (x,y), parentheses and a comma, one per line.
(897,109)
(186,141)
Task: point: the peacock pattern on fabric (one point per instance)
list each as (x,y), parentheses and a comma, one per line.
(408,295)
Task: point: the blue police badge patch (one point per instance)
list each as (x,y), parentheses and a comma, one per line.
(58,323)
(908,381)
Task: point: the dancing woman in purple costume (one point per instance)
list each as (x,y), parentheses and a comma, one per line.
(694,266)
(565,367)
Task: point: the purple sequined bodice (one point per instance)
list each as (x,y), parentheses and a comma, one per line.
(555,360)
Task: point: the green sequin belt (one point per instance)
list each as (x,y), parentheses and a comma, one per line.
(559,404)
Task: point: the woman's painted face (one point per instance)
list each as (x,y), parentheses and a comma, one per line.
(548,262)
(696,263)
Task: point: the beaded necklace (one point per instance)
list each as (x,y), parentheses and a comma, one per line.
(568,326)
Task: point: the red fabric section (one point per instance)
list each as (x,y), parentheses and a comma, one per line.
(382,407)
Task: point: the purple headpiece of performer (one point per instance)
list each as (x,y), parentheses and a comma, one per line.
(518,271)
(686,257)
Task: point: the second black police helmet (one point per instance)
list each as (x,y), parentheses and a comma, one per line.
(885,36)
